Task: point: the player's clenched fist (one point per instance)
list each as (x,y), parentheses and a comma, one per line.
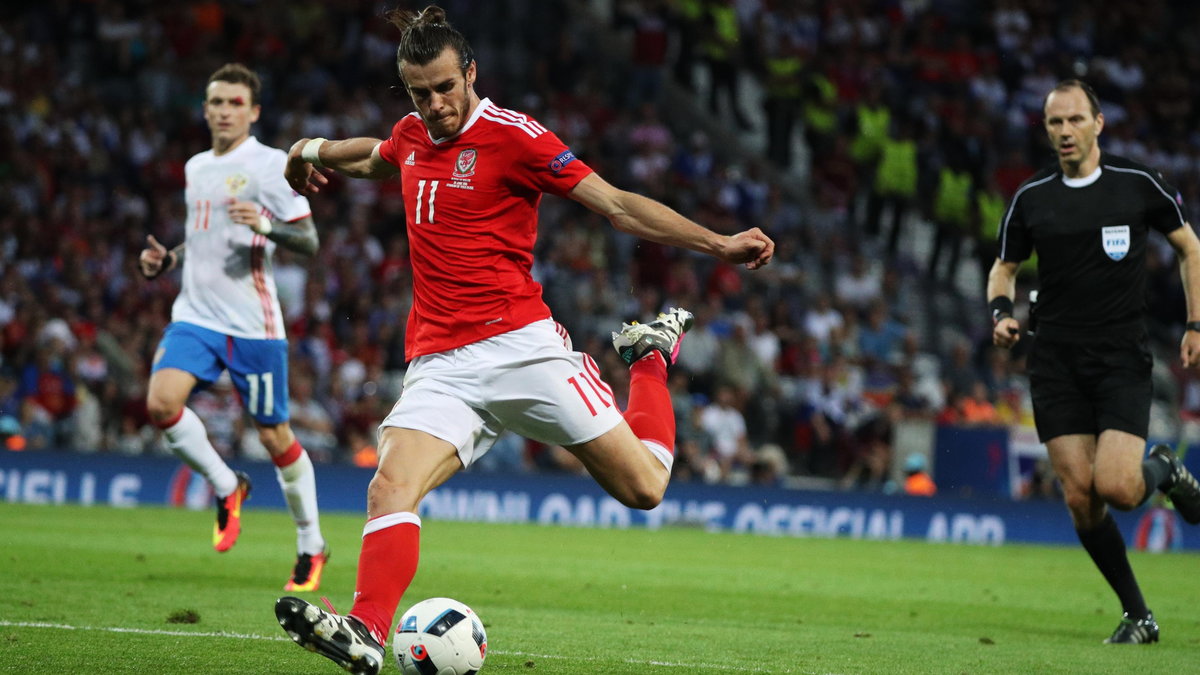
(1006,332)
(154,259)
(752,247)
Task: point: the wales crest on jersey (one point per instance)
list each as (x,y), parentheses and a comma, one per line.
(464,166)
(1116,241)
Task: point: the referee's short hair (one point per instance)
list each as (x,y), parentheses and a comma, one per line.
(1067,85)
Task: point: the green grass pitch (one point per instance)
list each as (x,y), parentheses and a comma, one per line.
(93,590)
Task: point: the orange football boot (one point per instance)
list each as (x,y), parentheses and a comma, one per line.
(306,576)
(229,515)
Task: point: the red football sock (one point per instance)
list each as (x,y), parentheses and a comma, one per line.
(290,455)
(386,566)
(649,412)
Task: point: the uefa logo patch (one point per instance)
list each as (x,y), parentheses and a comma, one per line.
(1116,241)
(464,166)
(562,160)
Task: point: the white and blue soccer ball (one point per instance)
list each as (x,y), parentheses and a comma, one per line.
(440,636)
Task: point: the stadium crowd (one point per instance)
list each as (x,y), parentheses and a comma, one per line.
(921,113)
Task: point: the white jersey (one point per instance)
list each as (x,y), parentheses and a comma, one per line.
(228,285)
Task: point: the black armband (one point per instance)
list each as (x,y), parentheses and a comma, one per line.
(1001,306)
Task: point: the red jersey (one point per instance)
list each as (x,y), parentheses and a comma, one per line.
(471,201)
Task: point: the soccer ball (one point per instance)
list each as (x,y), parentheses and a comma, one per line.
(439,636)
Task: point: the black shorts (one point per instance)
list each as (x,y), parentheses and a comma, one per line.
(1089,386)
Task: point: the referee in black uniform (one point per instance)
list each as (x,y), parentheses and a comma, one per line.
(1089,217)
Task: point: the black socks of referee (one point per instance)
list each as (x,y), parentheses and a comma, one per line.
(1107,548)
(1154,472)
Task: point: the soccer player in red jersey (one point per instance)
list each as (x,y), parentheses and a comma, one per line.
(484,353)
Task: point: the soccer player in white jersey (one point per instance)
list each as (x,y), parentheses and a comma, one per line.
(485,355)
(227,315)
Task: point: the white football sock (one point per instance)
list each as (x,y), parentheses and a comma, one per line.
(299,485)
(189,441)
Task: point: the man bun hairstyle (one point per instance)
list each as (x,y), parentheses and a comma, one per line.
(236,73)
(424,35)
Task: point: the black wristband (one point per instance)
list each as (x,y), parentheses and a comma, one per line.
(1001,306)
(1192,325)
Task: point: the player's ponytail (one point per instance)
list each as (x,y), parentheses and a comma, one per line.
(425,34)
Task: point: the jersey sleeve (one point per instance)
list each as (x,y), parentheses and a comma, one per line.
(277,196)
(544,164)
(1165,210)
(389,149)
(1015,240)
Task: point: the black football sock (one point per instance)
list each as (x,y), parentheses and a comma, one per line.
(1107,548)
(1155,472)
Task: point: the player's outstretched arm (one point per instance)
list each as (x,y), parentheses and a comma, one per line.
(649,219)
(299,235)
(354,157)
(1187,249)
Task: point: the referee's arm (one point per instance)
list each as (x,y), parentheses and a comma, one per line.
(1002,286)
(1187,249)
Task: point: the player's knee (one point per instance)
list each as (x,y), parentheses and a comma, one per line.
(644,494)
(162,409)
(1080,504)
(391,491)
(1123,495)
(646,500)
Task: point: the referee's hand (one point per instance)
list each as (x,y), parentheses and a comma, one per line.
(1189,349)
(1007,332)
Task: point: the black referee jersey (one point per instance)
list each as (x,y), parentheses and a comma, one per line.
(1090,237)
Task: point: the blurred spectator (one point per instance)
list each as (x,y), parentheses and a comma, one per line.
(720,35)
(881,336)
(917,481)
(218,406)
(506,455)
(859,285)
(47,395)
(870,457)
(822,319)
(726,427)
(310,421)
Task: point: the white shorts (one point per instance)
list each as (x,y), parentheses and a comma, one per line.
(527,380)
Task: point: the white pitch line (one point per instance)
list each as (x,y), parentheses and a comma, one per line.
(280,638)
(143,631)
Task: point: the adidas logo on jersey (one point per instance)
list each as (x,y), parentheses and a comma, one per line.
(412,159)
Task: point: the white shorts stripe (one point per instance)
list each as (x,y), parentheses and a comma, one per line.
(593,375)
